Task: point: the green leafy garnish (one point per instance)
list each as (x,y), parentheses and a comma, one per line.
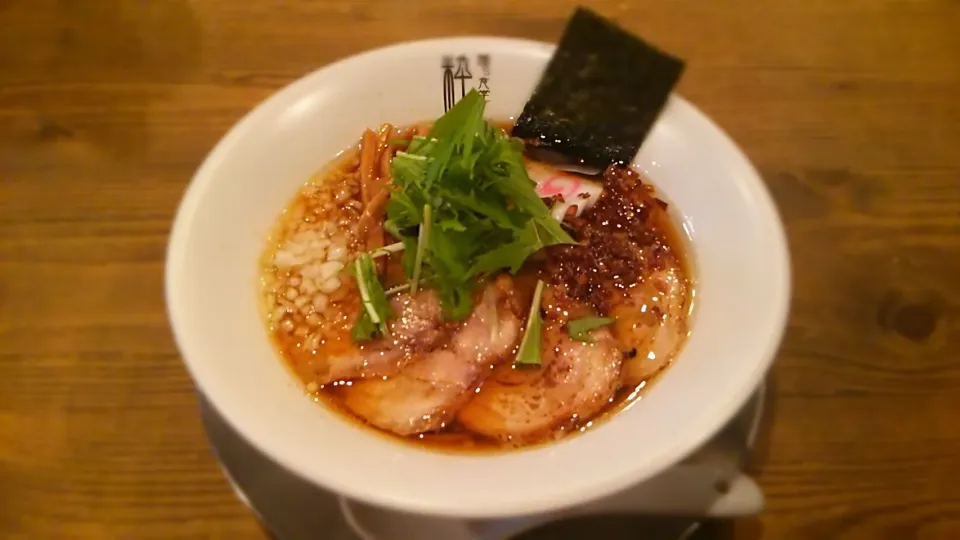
(376,309)
(579,329)
(423,239)
(398,288)
(529,351)
(364,329)
(386,251)
(527,241)
(466,184)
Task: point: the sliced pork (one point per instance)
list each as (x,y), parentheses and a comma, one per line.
(575,381)
(425,395)
(417,328)
(651,323)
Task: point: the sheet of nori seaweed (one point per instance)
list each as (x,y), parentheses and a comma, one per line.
(600,94)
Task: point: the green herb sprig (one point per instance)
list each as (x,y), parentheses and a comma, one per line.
(529,351)
(464,206)
(376,311)
(579,329)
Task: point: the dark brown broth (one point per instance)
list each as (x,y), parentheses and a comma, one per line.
(455,438)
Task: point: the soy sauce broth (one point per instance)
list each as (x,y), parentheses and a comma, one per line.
(310,311)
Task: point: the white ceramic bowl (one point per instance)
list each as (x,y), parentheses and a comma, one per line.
(212,289)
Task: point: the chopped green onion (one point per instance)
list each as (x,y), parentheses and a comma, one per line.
(376,309)
(529,351)
(579,329)
(364,292)
(364,329)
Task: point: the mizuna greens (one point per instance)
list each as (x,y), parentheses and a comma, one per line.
(464,208)
(579,329)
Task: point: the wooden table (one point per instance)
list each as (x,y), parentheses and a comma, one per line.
(850,109)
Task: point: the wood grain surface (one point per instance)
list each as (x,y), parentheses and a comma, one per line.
(850,109)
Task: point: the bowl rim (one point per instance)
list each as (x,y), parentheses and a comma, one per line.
(629,472)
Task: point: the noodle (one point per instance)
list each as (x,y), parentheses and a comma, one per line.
(385,158)
(407,133)
(422,129)
(379,172)
(368,158)
(372,214)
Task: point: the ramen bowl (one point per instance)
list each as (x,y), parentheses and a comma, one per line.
(736,242)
